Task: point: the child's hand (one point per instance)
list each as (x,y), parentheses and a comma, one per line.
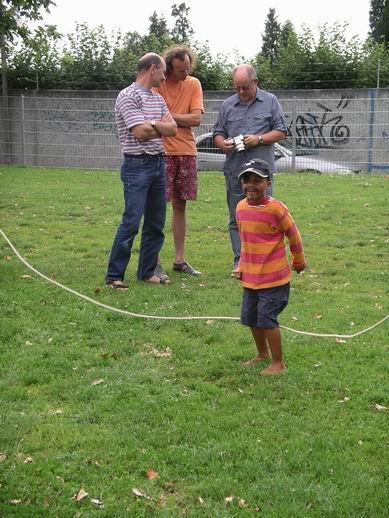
(298,269)
(238,275)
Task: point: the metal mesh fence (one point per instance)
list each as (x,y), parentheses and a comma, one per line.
(328,131)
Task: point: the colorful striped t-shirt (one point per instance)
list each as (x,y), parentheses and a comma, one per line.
(263,260)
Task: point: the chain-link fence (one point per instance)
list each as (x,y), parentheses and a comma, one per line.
(329,131)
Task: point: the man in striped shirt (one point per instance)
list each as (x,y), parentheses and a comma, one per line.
(142,119)
(263,268)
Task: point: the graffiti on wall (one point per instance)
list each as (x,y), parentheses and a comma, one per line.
(322,128)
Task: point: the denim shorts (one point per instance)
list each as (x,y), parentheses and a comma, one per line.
(260,308)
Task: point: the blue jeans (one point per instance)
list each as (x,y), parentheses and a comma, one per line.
(234,196)
(144,184)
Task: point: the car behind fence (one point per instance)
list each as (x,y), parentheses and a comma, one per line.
(77,129)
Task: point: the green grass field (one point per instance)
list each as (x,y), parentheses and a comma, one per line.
(93,400)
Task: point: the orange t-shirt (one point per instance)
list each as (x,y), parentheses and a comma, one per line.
(181,97)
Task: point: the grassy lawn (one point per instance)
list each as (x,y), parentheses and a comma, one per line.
(93,400)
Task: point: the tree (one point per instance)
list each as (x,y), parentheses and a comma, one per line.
(182,31)
(270,39)
(379,20)
(14,15)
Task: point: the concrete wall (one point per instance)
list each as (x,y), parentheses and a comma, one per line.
(77,128)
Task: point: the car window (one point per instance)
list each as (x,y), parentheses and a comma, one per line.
(206,145)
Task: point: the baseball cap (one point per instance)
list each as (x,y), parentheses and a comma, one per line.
(256,166)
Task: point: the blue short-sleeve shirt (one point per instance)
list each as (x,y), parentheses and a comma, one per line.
(264,114)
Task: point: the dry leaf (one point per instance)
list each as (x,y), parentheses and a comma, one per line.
(258,510)
(344,400)
(60,479)
(8,258)
(55,412)
(80,495)
(140,493)
(228,499)
(380,408)
(242,504)
(98,290)
(46,501)
(161,354)
(28,343)
(97,503)
(201,501)
(209,322)
(15,502)
(28,460)
(151,474)
(318,315)
(97,382)
(3,456)
(26,277)
(317,365)
(294,318)
(340,341)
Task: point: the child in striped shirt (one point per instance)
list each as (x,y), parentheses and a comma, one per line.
(263,268)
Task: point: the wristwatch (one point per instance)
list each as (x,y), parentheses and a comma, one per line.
(260,140)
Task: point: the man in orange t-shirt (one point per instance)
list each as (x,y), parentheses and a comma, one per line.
(184,98)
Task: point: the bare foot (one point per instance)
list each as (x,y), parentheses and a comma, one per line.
(277,368)
(255,360)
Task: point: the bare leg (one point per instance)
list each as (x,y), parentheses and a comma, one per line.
(273,337)
(179,228)
(260,341)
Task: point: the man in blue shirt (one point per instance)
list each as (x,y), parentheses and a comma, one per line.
(258,116)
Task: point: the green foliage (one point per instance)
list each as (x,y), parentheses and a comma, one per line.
(271,36)
(15,15)
(175,396)
(182,31)
(90,59)
(379,21)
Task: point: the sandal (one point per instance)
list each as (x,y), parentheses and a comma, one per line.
(185,267)
(116,285)
(159,272)
(158,280)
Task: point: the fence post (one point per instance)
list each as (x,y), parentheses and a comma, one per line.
(370,142)
(378,73)
(293,131)
(23,129)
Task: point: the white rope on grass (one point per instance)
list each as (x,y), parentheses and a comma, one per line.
(156,317)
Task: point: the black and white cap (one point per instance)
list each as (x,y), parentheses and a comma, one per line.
(256,166)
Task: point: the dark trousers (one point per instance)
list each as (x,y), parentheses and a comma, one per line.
(144,184)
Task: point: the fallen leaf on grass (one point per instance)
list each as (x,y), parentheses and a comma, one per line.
(140,493)
(201,500)
(55,412)
(26,277)
(96,503)
(317,365)
(80,495)
(294,318)
(380,408)
(151,474)
(209,322)
(258,510)
(98,290)
(3,456)
(228,499)
(340,341)
(15,501)
(97,382)
(344,400)
(8,258)
(318,315)
(161,354)
(242,504)
(28,460)
(28,343)
(46,501)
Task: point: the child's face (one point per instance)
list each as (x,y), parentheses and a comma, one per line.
(254,187)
